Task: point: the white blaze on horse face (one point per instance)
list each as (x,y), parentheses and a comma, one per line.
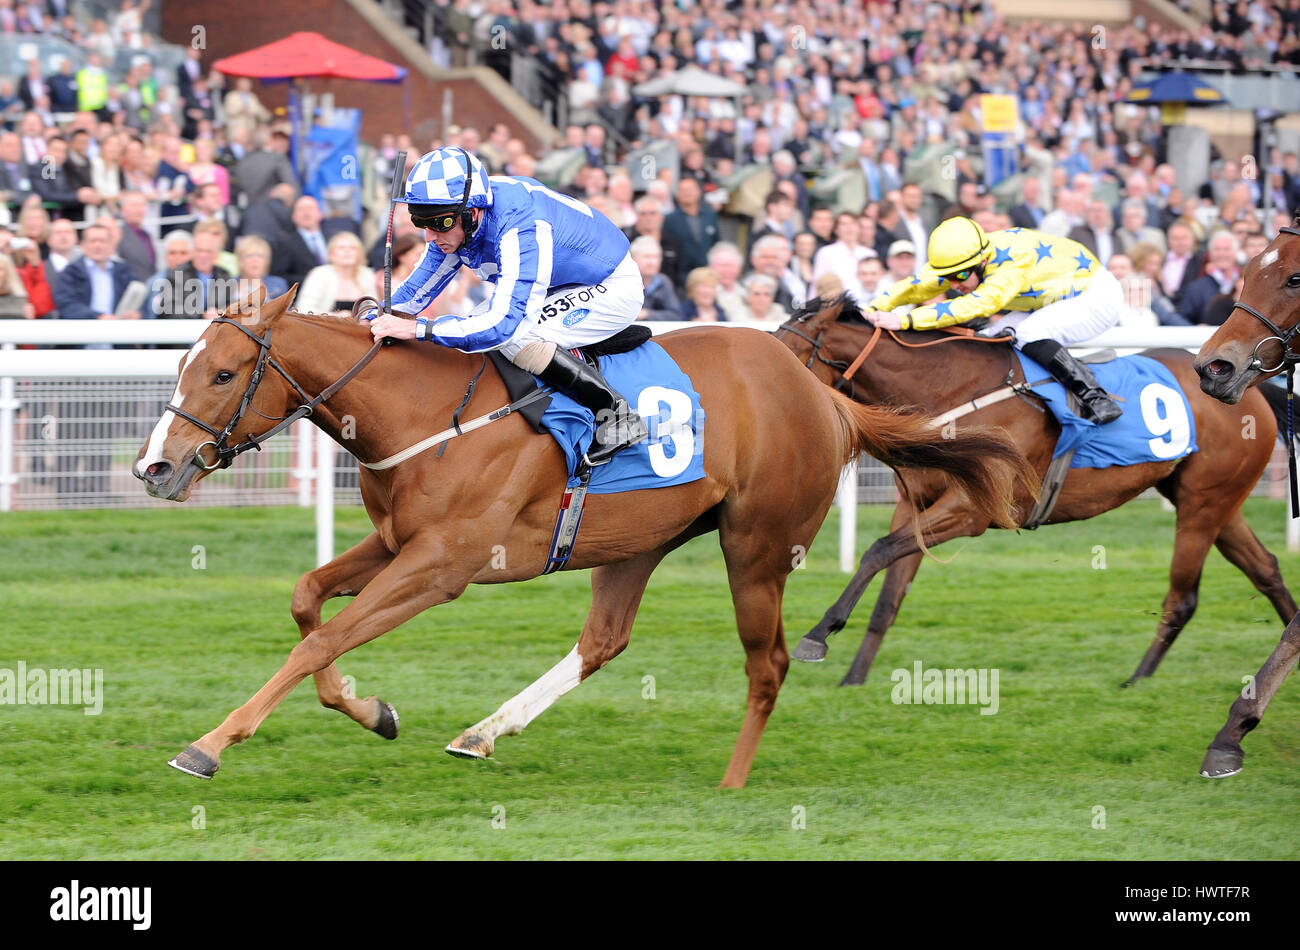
(158,437)
(1267,258)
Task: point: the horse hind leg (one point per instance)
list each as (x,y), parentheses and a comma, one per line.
(898,578)
(616,594)
(347,574)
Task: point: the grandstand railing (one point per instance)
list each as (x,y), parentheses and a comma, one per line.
(72,421)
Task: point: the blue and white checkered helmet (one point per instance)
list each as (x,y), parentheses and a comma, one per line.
(438,178)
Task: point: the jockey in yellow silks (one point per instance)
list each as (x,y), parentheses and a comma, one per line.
(1057,292)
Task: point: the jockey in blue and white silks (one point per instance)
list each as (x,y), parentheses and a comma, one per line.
(561,272)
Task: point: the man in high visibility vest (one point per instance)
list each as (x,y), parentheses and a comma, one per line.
(92,85)
(1057,292)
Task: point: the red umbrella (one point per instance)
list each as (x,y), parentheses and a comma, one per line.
(303,55)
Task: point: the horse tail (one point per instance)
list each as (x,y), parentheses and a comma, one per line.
(983,462)
(1275,396)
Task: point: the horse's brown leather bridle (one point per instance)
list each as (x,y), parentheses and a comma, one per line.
(1289,359)
(227,453)
(1288,362)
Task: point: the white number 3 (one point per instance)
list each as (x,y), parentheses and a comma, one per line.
(677,428)
(1165,416)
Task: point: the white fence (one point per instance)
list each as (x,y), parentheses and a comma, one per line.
(72,421)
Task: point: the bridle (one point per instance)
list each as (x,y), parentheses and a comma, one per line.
(1289,359)
(1288,362)
(227,453)
(816,354)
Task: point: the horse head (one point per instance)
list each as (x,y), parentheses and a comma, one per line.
(809,334)
(1254,343)
(222,387)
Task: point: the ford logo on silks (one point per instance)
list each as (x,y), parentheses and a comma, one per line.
(574,317)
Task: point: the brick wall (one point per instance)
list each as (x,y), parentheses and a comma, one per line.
(414,106)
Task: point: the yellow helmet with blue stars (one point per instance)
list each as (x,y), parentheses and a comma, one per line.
(957,244)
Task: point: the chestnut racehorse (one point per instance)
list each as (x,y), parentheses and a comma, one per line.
(1254,344)
(776,440)
(1208,487)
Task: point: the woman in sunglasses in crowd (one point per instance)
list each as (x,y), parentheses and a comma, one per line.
(561,272)
(1057,292)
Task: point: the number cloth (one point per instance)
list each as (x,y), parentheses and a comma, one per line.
(540,250)
(1157,424)
(663,395)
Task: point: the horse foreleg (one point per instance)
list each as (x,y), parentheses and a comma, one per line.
(424,573)
(344,576)
(1225,755)
(1238,543)
(947,518)
(898,578)
(616,595)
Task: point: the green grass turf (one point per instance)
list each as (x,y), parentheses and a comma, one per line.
(606,773)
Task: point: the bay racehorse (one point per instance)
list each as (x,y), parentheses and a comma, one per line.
(776,440)
(936,372)
(1254,344)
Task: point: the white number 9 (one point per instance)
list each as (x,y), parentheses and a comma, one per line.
(1165,416)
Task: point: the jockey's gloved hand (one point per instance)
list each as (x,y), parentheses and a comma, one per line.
(369,314)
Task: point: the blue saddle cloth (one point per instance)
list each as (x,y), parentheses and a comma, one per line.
(1156,426)
(655,386)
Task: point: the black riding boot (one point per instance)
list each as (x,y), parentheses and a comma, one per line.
(617,425)
(1076,377)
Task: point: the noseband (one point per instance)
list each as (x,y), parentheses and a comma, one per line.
(1289,359)
(220,441)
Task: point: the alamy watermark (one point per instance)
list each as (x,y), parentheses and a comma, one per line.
(37,687)
(946,687)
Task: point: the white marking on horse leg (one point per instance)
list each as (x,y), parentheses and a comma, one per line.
(522,709)
(158,437)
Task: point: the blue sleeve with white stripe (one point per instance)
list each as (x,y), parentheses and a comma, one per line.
(524,257)
(431,275)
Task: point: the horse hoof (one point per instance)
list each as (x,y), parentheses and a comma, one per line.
(470,747)
(388,723)
(193,761)
(810,650)
(1222,763)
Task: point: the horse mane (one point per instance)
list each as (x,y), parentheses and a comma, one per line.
(850,310)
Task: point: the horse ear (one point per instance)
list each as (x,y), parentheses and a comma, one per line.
(271,312)
(251,304)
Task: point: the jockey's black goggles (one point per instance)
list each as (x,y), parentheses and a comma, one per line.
(441,220)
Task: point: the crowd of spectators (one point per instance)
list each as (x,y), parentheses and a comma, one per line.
(867,87)
(186,179)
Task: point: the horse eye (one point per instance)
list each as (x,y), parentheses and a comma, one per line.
(1293,280)
(224,376)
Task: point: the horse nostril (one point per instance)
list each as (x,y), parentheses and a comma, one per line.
(158,471)
(1218,369)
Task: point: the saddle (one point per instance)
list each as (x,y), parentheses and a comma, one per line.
(519,382)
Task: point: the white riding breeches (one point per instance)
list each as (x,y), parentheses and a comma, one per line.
(582,315)
(1068,322)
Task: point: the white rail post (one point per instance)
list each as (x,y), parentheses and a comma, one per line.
(303,471)
(8,405)
(848,500)
(1292,530)
(324,498)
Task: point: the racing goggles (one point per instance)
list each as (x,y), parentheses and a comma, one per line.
(440,221)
